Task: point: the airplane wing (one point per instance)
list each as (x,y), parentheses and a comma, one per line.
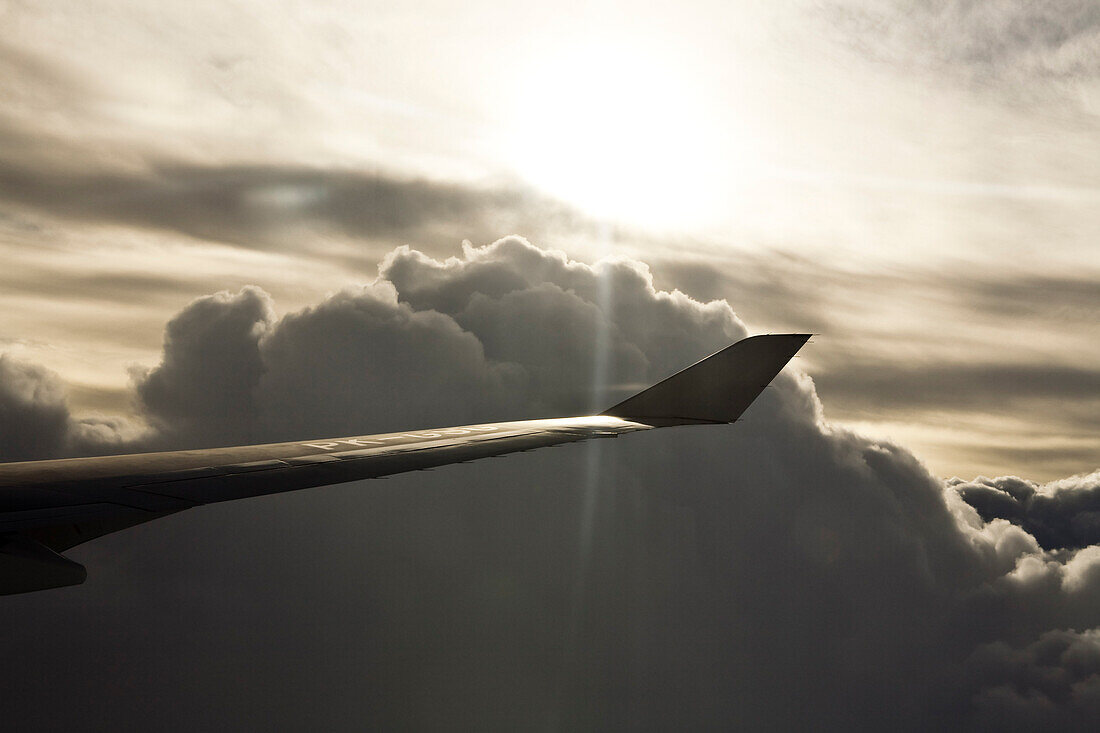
(47,507)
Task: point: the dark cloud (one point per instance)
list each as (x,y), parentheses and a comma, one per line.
(1037,298)
(34,418)
(47,167)
(525,328)
(1052,683)
(535,307)
(35,421)
(960,386)
(781,573)
(1063,514)
(204,385)
(329,369)
(231,373)
(253,206)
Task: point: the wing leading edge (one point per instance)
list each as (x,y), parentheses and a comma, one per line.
(47,507)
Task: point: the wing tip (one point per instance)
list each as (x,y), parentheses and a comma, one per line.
(717,389)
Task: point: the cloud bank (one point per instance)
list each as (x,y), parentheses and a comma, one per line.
(36,423)
(1059,515)
(252,206)
(33,414)
(779,573)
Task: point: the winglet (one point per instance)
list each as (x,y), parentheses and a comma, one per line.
(27,565)
(717,389)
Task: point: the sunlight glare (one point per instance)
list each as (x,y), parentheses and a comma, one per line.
(619,133)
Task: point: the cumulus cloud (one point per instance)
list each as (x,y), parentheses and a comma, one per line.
(1052,683)
(34,418)
(541,310)
(204,384)
(1061,514)
(232,373)
(35,421)
(329,369)
(778,573)
(527,330)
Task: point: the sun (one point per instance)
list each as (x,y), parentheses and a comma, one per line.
(618,132)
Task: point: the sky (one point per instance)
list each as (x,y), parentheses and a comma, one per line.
(234,222)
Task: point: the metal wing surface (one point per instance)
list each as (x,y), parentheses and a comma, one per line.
(47,507)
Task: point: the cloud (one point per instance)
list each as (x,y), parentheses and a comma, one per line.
(35,421)
(1052,683)
(38,94)
(987,40)
(524,327)
(204,384)
(149,178)
(34,418)
(329,369)
(941,349)
(232,373)
(255,206)
(779,573)
(964,386)
(1061,514)
(1036,297)
(541,310)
